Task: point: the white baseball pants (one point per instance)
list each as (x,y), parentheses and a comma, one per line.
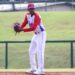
(37,48)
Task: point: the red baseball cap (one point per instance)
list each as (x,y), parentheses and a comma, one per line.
(30,6)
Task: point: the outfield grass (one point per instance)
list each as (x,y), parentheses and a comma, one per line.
(59,26)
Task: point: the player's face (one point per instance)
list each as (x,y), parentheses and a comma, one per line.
(31,11)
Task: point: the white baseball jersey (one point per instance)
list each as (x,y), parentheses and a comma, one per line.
(35,23)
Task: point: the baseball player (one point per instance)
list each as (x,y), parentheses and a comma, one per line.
(37,45)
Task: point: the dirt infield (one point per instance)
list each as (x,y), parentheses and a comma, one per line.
(47,73)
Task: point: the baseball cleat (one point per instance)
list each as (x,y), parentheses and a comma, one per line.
(30,72)
(38,73)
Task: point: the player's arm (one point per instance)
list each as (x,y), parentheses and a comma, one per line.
(24,22)
(36,22)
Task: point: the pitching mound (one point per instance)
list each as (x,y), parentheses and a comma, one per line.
(47,73)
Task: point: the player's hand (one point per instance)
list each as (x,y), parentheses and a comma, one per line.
(17,27)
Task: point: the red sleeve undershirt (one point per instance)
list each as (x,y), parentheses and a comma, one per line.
(36,22)
(24,23)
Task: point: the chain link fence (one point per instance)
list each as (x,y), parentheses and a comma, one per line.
(41,5)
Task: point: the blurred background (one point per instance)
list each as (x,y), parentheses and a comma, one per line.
(41,5)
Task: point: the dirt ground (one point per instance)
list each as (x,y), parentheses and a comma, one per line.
(47,73)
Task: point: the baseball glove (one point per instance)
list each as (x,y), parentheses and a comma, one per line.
(17,27)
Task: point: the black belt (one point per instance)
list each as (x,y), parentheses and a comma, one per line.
(39,32)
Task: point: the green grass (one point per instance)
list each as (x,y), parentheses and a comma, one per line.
(59,26)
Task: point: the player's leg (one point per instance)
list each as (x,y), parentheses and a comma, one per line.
(40,51)
(32,52)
